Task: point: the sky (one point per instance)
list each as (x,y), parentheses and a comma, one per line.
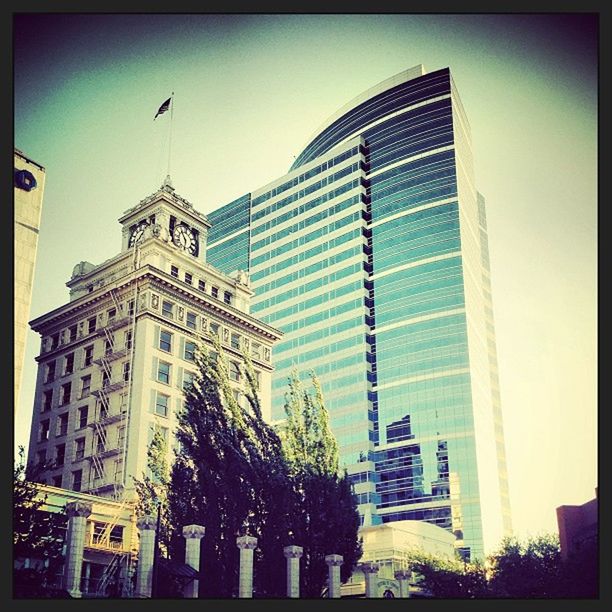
(250,90)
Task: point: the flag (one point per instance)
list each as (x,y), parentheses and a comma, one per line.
(163,108)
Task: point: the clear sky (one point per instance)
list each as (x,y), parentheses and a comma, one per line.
(249,92)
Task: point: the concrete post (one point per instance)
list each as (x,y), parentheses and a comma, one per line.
(293,554)
(246,544)
(333,585)
(77,523)
(144,575)
(403,577)
(192,534)
(370,571)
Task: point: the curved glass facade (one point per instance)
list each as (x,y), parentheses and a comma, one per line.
(371,255)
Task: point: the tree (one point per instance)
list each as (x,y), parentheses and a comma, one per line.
(325,518)
(528,570)
(229,475)
(37,535)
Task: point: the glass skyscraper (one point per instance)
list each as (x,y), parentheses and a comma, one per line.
(371,256)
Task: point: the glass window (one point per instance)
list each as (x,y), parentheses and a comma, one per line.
(72,331)
(126,371)
(47,400)
(112,313)
(55,341)
(167,309)
(82,420)
(62,425)
(163,372)
(235,341)
(108,345)
(60,454)
(79,449)
(227,297)
(187,380)
(85,386)
(50,374)
(120,437)
(201,285)
(88,356)
(77,478)
(69,363)
(256,349)
(234,371)
(131,304)
(65,396)
(190,348)
(161,405)
(165,341)
(214,291)
(128,339)
(174,271)
(41,457)
(57,481)
(43,430)
(188,278)
(191,320)
(214,328)
(91,325)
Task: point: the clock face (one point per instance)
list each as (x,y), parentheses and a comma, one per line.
(185,239)
(137,233)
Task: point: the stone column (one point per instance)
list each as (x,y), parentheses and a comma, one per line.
(77,523)
(192,534)
(293,554)
(370,571)
(144,574)
(246,544)
(333,585)
(403,577)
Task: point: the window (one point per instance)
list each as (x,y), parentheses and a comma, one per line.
(214,328)
(54,341)
(120,437)
(126,371)
(57,481)
(41,457)
(105,379)
(161,405)
(227,297)
(123,402)
(256,350)
(85,386)
(201,285)
(167,309)
(131,304)
(128,339)
(191,320)
(65,395)
(79,449)
(43,431)
(163,372)
(188,278)
(82,420)
(99,444)
(118,472)
(47,400)
(187,380)
(234,371)
(69,364)
(257,378)
(190,348)
(109,345)
(235,341)
(77,478)
(165,341)
(62,425)
(91,325)
(50,374)
(60,454)
(88,356)
(214,291)
(112,313)
(174,271)
(72,331)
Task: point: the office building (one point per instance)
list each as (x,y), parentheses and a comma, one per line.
(115,359)
(371,256)
(28,190)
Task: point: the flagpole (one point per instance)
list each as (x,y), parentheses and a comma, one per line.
(171,121)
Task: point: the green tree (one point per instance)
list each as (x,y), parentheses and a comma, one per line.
(38,535)
(229,475)
(324,518)
(531,569)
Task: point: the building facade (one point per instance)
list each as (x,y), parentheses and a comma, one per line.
(115,359)
(28,190)
(371,256)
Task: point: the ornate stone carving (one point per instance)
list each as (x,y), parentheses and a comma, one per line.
(266,354)
(369,567)
(78,508)
(147,523)
(225,334)
(334,560)
(193,531)
(204,324)
(155,301)
(293,552)
(246,541)
(181,313)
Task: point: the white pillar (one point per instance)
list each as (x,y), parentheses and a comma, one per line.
(333,584)
(192,534)
(144,574)
(293,554)
(246,544)
(370,571)
(403,577)
(77,523)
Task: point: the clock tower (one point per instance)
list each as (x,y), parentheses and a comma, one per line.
(167,216)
